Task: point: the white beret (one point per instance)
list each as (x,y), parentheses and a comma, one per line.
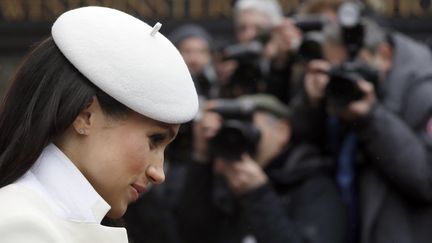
(129,60)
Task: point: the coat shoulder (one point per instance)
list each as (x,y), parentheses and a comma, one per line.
(25,218)
(17,199)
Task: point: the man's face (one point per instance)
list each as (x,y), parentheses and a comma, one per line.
(249,23)
(196,53)
(275,134)
(334,53)
(380,61)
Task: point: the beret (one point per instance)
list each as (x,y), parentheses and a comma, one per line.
(129,60)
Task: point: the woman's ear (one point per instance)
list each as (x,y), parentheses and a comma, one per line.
(85,119)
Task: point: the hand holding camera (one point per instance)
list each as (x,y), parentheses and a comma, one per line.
(203,130)
(360,108)
(240,170)
(284,39)
(242,175)
(346,92)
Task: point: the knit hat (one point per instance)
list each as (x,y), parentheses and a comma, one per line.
(267,103)
(188,31)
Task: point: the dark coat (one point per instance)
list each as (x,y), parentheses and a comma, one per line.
(151,219)
(396,185)
(395,174)
(299,204)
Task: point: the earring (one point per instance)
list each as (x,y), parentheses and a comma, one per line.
(81,131)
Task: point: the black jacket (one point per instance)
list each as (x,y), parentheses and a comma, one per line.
(395,174)
(299,204)
(396,186)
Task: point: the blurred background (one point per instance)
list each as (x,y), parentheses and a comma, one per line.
(24,22)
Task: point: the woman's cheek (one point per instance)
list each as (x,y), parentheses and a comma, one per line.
(138,154)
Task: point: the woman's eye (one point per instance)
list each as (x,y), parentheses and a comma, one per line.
(157,139)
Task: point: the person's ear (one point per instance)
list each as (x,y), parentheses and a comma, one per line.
(84,121)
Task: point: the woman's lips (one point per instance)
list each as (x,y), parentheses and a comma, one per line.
(137,191)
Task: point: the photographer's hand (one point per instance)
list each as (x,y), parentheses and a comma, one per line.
(204,129)
(224,68)
(361,108)
(316,80)
(243,175)
(285,38)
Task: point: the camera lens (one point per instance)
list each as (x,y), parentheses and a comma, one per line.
(233,139)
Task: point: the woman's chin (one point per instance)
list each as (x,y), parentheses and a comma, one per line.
(116,213)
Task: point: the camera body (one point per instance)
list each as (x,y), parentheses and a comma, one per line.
(237,135)
(343,89)
(250,75)
(311,46)
(253,72)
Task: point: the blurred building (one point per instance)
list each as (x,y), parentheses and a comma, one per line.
(24,22)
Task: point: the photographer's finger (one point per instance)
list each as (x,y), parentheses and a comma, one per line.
(223,166)
(318,66)
(238,182)
(366,87)
(288,27)
(246,157)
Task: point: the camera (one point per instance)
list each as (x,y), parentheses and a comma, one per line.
(237,135)
(308,23)
(253,72)
(250,75)
(206,82)
(343,88)
(311,46)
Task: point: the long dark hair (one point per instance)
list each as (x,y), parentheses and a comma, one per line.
(46,95)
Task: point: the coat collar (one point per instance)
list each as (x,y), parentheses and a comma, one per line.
(64,187)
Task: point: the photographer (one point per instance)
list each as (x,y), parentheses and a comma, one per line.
(388,135)
(262,60)
(272,191)
(196,46)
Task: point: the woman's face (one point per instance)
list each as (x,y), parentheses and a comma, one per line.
(121,157)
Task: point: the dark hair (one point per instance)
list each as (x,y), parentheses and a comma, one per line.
(46,95)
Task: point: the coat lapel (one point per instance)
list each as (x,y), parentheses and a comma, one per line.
(93,233)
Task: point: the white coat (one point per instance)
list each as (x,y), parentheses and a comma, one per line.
(54,203)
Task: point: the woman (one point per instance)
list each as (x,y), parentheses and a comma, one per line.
(84,126)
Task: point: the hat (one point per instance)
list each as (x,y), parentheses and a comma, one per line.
(267,103)
(129,60)
(271,8)
(188,31)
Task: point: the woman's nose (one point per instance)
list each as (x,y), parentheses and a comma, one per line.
(156,175)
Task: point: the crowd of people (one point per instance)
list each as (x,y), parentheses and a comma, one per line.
(315,127)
